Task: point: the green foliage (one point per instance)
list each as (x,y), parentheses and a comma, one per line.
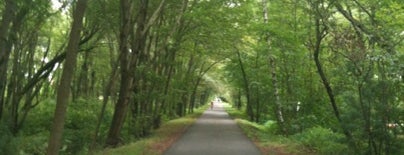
(8,144)
(397,145)
(33,144)
(178,49)
(271,126)
(80,125)
(234,113)
(36,129)
(78,133)
(40,120)
(160,139)
(265,135)
(323,140)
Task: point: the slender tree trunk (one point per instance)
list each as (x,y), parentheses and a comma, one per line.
(107,94)
(258,107)
(272,66)
(82,86)
(170,55)
(188,79)
(250,112)
(366,117)
(320,34)
(14,89)
(169,74)
(320,70)
(17,70)
(65,81)
(7,18)
(239,99)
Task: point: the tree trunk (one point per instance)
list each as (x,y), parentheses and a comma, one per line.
(7,18)
(239,99)
(65,81)
(320,34)
(82,86)
(250,112)
(125,84)
(272,66)
(170,55)
(107,92)
(19,62)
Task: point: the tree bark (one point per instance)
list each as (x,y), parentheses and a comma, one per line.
(250,112)
(63,92)
(272,66)
(14,97)
(239,99)
(7,18)
(319,36)
(170,55)
(106,94)
(125,84)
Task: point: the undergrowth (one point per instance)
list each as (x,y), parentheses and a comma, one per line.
(315,140)
(160,139)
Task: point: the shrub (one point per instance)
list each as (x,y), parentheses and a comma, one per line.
(78,131)
(8,144)
(271,126)
(323,141)
(34,144)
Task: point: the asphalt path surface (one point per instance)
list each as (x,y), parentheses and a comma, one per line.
(214,133)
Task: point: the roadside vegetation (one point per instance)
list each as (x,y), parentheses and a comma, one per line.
(160,139)
(80,75)
(314,141)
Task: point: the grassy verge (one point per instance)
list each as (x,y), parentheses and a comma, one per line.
(161,138)
(268,142)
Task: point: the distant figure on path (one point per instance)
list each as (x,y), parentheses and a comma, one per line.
(211,105)
(213,133)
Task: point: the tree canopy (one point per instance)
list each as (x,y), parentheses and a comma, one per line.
(122,68)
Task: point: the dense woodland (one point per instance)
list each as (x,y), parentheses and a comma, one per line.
(81,75)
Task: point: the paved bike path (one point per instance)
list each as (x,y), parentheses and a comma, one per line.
(214,133)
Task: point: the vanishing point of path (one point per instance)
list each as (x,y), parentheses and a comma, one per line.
(214,133)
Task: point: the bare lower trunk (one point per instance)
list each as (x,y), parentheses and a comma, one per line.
(121,107)
(107,93)
(279,114)
(250,111)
